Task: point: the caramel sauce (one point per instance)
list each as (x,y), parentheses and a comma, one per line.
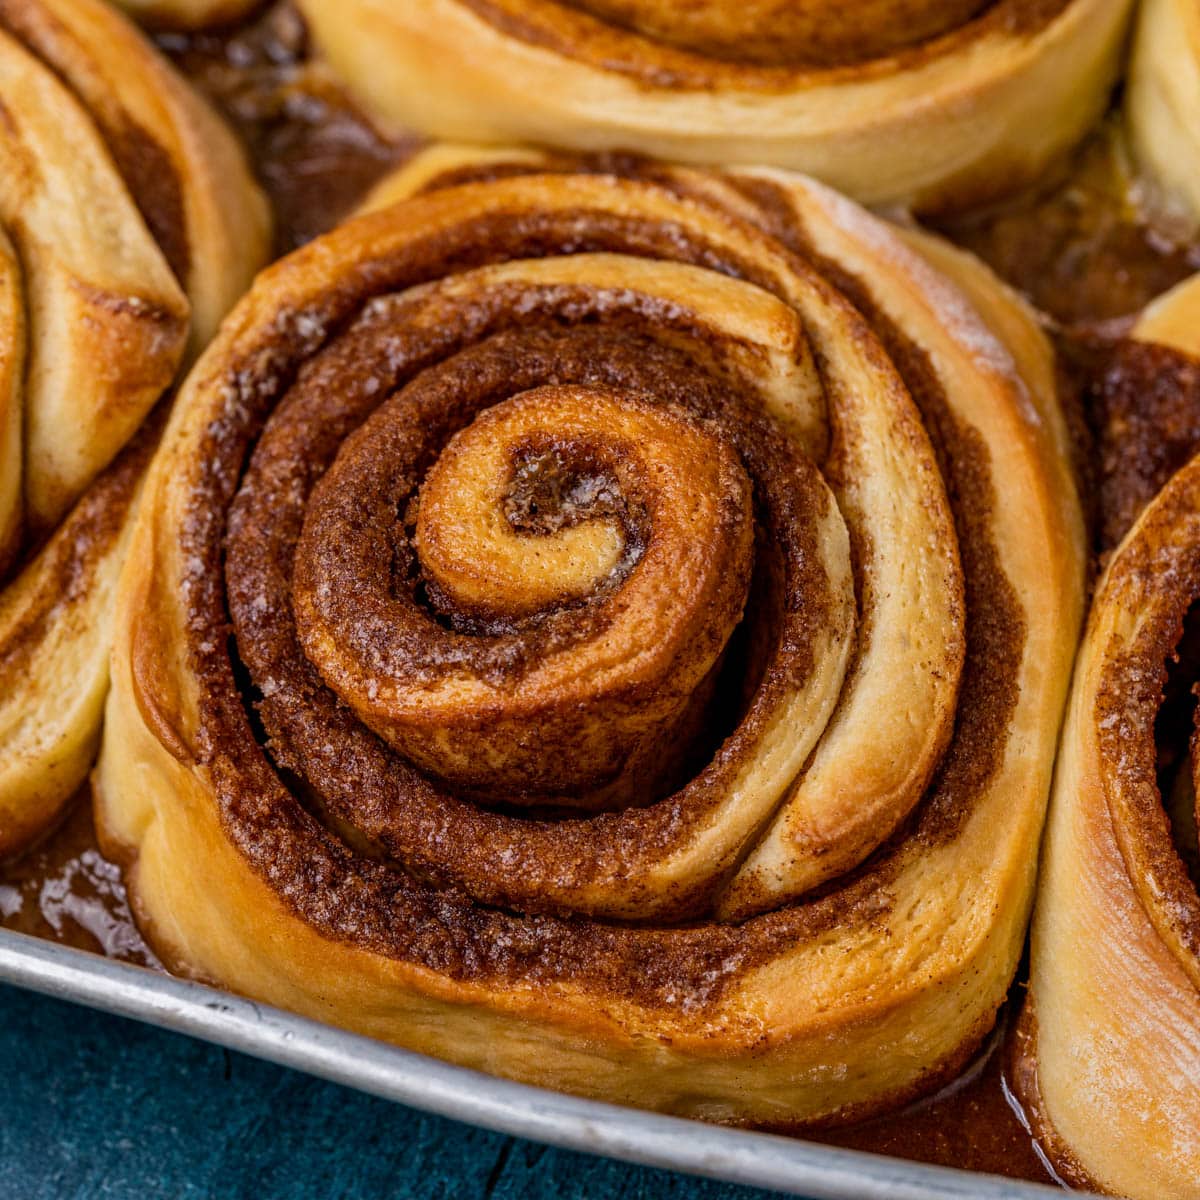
(974,1123)
(313,152)
(1076,246)
(66,891)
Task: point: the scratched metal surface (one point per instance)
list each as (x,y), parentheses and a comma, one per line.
(337,1143)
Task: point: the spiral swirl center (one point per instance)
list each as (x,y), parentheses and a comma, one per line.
(513,522)
(565,578)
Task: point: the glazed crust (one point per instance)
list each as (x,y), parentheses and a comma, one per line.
(130,225)
(858,387)
(1112,1066)
(948,121)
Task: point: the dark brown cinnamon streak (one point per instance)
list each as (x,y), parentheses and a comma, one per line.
(128,225)
(529,567)
(761,44)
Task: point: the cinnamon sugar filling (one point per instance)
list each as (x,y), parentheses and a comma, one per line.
(430,893)
(764,65)
(1158,575)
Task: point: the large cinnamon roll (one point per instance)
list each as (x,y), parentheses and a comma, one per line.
(1111,1056)
(128,225)
(1163,107)
(937,103)
(606,625)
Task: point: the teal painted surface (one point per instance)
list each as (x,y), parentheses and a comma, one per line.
(93,1107)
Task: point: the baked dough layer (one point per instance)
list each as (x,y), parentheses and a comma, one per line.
(954,119)
(894,408)
(1114,1061)
(129,224)
(1163,107)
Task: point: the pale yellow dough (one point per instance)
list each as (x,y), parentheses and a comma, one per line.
(1163,107)
(95,323)
(1116,1007)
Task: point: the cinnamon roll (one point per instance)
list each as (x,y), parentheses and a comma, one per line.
(1163,108)
(1110,1064)
(606,624)
(128,226)
(934,103)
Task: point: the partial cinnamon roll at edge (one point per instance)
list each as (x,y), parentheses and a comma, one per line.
(128,225)
(940,105)
(1109,1066)
(1162,106)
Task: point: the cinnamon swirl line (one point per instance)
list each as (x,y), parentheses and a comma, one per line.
(577,634)
(941,104)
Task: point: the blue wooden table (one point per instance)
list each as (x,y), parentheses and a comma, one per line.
(94,1107)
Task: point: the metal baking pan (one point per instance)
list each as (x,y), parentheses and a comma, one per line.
(787,1165)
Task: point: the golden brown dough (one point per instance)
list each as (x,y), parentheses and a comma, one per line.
(781,573)
(1163,107)
(128,224)
(1112,1068)
(934,103)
